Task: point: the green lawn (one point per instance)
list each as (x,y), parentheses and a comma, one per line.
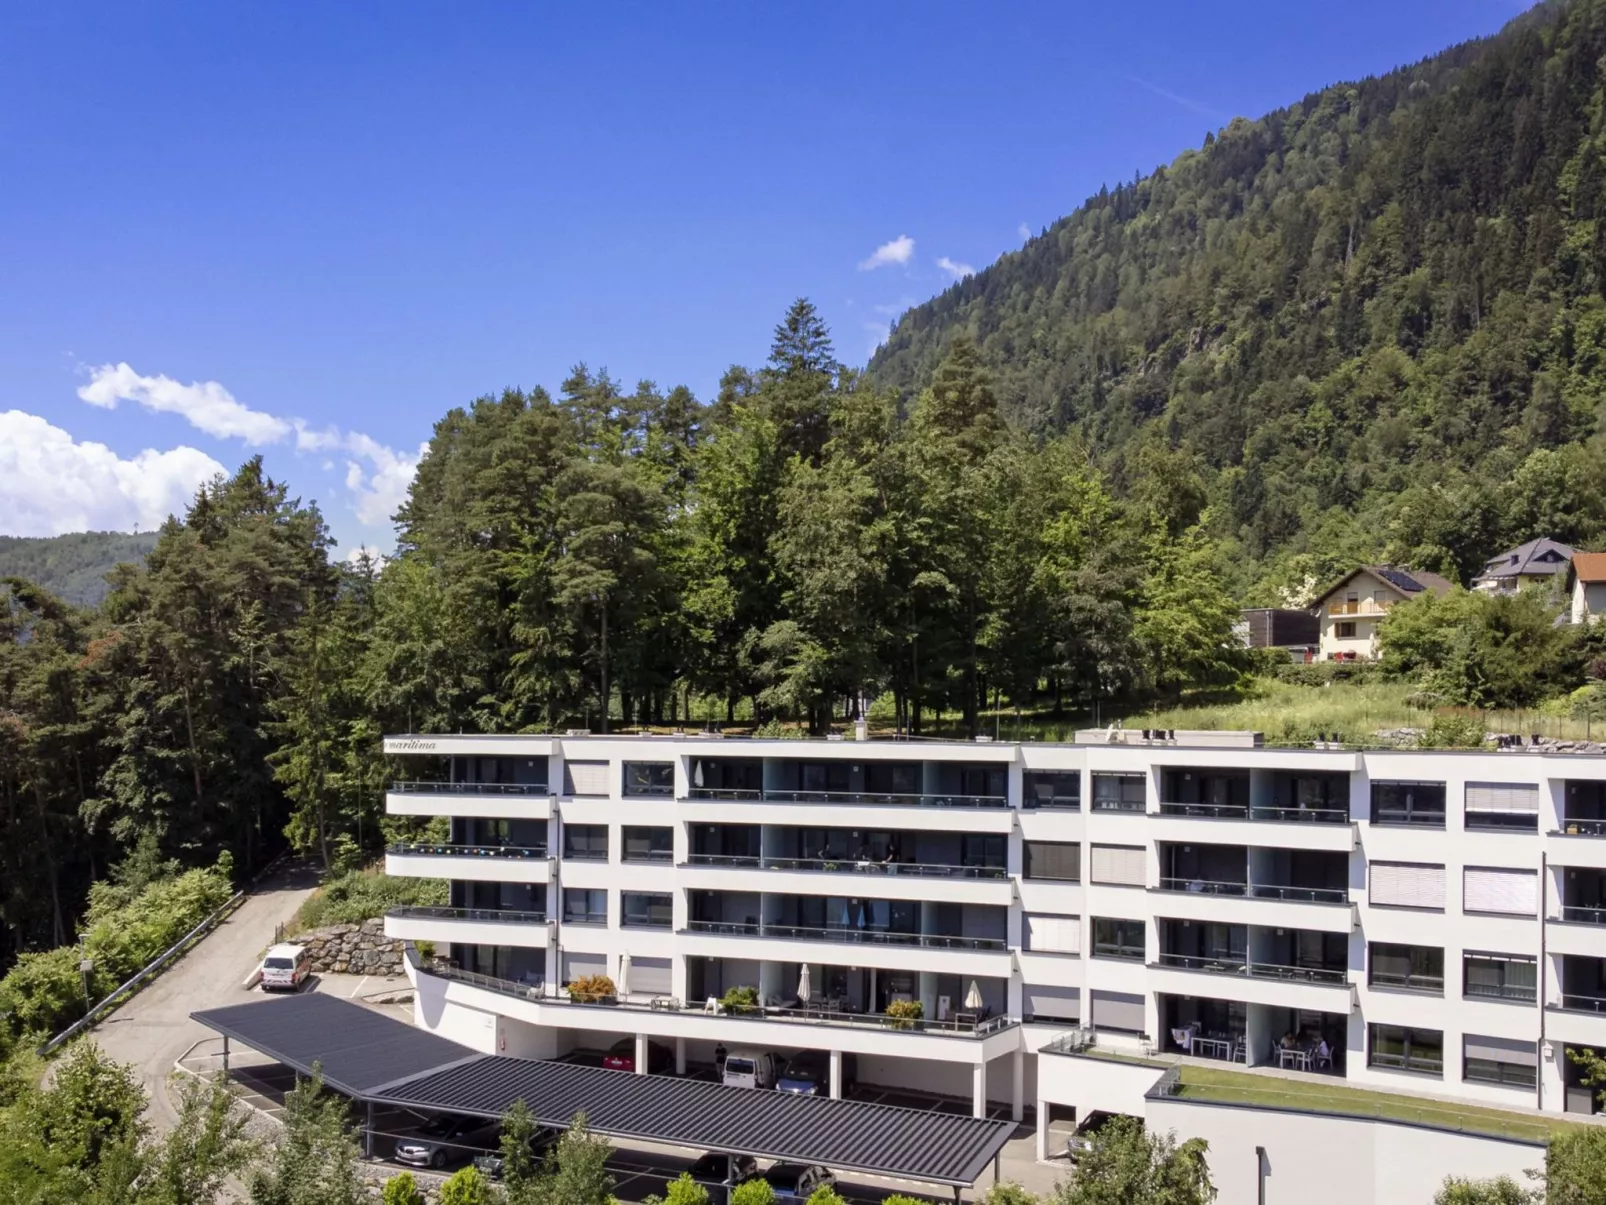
(1236,1087)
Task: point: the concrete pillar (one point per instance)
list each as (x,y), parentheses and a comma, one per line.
(1042,1129)
(641,1054)
(978,1090)
(680,1056)
(836,1075)
(1017,1095)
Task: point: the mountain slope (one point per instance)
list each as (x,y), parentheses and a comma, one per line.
(73,566)
(1361,317)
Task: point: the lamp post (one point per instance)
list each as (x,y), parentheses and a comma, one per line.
(85,966)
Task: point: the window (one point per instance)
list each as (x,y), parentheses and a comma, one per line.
(1044,790)
(984,849)
(1042,933)
(1418,1050)
(585,842)
(1406,885)
(1344,629)
(644,844)
(585,778)
(1120,792)
(892,778)
(1419,804)
(1042,1003)
(648,909)
(1500,977)
(585,906)
(1409,968)
(1118,938)
(1499,1061)
(579,966)
(1059,861)
(1121,1012)
(1500,891)
(1119,865)
(649,778)
(1502,805)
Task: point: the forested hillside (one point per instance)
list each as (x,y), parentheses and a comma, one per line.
(1370,324)
(73,566)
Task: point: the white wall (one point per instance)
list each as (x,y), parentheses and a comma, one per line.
(1313,1160)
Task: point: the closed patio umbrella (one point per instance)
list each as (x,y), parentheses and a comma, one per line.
(973,1001)
(622,988)
(804,989)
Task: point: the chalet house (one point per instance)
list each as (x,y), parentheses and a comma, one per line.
(1350,612)
(1586,586)
(1538,562)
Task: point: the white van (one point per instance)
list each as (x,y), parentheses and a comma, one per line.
(285,968)
(749,1069)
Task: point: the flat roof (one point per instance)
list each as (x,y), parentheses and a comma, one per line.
(375,1058)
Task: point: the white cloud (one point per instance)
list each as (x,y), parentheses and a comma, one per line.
(897,251)
(50,483)
(378,477)
(355,556)
(1024,231)
(206,405)
(954,268)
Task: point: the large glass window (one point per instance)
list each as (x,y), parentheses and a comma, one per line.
(1120,792)
(1060,861)
(1040,789)
(1500,977)
(585,906)
(648,909)
(585,842)
(644,844)
(1114,937)
(1512,1064)
(1409,968)
(1418,804)
(649,778)
(1403,1049)
(1496,805)
(984,849)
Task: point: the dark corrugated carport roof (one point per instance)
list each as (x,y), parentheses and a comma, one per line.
(373,1051)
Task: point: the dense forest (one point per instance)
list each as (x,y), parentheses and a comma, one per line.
(74,566)
(1371,325)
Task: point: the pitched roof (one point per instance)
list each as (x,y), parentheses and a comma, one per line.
(1588,567)
(1406,581)
(1529,560)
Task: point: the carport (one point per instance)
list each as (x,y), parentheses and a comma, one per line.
(378,1060)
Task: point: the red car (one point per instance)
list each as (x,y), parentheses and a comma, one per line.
(622,1057)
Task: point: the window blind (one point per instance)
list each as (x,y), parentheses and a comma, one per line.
(576,965)
(1501,1050)
(1118,1010)
(1120,865)
(585,778)
(1053,934)
(650,976)
(1507,892)
(1407,885)
(1057,860)
(1042,1003)
(1502,797)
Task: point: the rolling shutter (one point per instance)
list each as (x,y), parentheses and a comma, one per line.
(1053,934)
(1041,1003)
(1502,797)
(1507,892)
(1407,885)
(1120,865)
(1058,861)
(1501,1050)
(651,976)
(576,965)
(1118,1010)
(585,778)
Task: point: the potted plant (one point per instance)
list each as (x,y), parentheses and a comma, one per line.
(592,989)
(739,1000)
(904,1013)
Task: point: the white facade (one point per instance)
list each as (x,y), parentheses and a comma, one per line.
(1438,918)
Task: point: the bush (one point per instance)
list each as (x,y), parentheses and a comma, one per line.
(359,895)
(589,989)
(468,1186)
(826,1195)
(686,1191)
(740,999)
(753,1192)
(1588,702)
(1453,730)
(1325,673)
(402,1190)
(905,1013)
(1008,1193)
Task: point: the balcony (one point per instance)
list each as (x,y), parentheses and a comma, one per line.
(1581,914)
(1204,886)
(1301,815)
(471,926)
(847,866)
(1363,606)
(477,863)
(491,800)
(883,799)
(1207,811)
(1299,895)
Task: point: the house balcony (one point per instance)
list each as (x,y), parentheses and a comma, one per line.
(1313,989)
(1576,1008)
(1580,836)
(469,926)
(911,881)
(943,952)
(491,800)
(1365,606)
(473,863)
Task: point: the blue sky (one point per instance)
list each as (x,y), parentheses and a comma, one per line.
(308,231)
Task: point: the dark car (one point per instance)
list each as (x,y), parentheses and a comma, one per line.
(729,1170)
(621,1056)
(447,1139)
(798,1181)
(490,1165)
(808,1073)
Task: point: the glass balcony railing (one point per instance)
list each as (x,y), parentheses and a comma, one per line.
(1280,815)
(432,850)
(1297,974)
(846,936)
(1300,895)
(494,916)
(1572,1002)
(1409,981)
(1237,964)
(1582,827)
(1207,811)
(848,798)
(1203,887)
(1582,914)
(1221,964)
(470,788)
(1500,991)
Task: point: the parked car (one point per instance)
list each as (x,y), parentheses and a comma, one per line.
(447,1139)
(621,1056)
(285,968)
(808,1073)
(798,1181)
(490,1164)
(1081,1141)
(726,1170)
(749,1069)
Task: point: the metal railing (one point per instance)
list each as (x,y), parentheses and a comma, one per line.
(887,799)
(1267,970)
(1582,828)
(585,855)
(1358,608)
(737,861)
(1573,1003)
(734,928)
(442,850)
(1408,982)
(1402,818)
(1208,811)
(1071,803)
(1422,1063)
(649,855)
(845,936)
(1579,914)
(470,788)
(492,915)
(1133,806)
(1281,815)
(1223,965)
(726,794)
(1115,949)
(934,870)
(1501,991)
(1300,895)
(1203,887)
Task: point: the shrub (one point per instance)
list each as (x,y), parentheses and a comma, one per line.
(402,1190)
(898,1198)
(905,1013)
(1324,673)
(686,1191)
(359,895)
(1008,1193)
(826,1195)
(1588,702)
(468,1186)
(753,1192)
(589,989)
(742,999)
(1453,730)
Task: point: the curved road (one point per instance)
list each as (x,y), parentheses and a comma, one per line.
(154,1028)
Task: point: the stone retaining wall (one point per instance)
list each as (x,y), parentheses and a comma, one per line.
(353,949)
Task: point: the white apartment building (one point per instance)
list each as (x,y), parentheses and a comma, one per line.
(1438,919)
